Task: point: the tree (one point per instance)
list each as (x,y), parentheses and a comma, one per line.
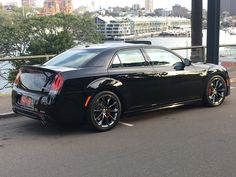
(43,35)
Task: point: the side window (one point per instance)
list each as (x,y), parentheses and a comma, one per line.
(162,57)
(131,58)
(116,62)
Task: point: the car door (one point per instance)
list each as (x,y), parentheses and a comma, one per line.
(136,75)
(181,84)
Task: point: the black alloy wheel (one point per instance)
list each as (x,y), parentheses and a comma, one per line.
(104,111)
(215,92)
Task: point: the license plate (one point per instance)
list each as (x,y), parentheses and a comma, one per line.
(26,101)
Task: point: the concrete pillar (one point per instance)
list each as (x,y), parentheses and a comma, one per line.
(196,28)
(213,25)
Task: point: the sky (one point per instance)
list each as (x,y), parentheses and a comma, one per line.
(166,4)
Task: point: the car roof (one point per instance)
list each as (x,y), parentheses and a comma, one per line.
(115,45)
(107,50)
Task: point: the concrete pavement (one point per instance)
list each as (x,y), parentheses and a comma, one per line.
(5,101)
(189,141)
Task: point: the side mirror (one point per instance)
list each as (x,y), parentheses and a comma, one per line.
(179,66)
(187,62)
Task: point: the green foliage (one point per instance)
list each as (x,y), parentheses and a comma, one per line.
(37,35)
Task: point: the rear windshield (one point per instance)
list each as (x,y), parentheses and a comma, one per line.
(73,58)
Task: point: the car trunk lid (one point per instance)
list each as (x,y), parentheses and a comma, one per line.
(40,78)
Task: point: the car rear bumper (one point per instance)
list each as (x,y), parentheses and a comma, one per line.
(49,108)
(34,115)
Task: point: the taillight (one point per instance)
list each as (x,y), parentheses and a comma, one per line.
(17,80)
(57,83)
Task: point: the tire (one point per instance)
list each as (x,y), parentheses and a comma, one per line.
(104,111)
(215,91)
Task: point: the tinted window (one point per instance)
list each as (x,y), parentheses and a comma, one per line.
(162,57)
(72,58)
(131,58)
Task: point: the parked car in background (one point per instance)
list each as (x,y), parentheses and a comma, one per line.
(99,83)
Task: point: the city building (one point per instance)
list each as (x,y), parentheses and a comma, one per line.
(117,28)
(52,7)
(136,6)
(179,11)
(113,27)
(228,6)
(9,6)
(65,6)
(81,10)
(28,3)
(149,6)
(93,5)
(163,12)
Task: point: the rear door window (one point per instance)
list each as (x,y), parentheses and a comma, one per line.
(129,58)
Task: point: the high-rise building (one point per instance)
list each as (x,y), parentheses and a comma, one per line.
(1,6)
(136,6)
(179,11)
(229,6)
(93,4)
(52,7)
(149,5)
(66,6)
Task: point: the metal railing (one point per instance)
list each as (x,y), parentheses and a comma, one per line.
(36,57)
(195,53)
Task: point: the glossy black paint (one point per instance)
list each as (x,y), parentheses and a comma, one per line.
(138,88)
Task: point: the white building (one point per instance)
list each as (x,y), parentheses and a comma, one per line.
(134,27)
(149,6)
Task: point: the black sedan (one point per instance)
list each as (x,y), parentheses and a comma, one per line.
(100,83)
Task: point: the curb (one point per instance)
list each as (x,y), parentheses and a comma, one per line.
(7,115)
(233,80)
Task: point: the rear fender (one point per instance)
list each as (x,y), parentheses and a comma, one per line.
(108,84)
(103,83)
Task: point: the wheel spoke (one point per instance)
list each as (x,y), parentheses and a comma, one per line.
(217,83)
(98,117)
(107,121)
(112,117)
(221,90)
(214,98)
(101,121)
(220,85)
(108,101)
(115,103)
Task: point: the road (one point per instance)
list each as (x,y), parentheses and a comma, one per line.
(189,141)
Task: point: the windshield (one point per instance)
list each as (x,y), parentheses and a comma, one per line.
(73,58)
